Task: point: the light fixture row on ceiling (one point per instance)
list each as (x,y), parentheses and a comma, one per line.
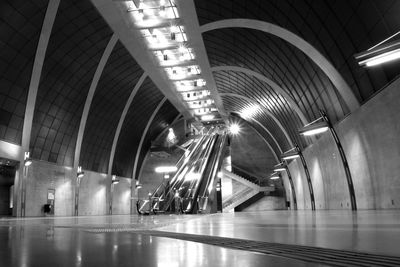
(165,35)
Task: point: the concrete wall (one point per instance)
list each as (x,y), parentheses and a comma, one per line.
(122,196)
(370,137)
(267,203)
(94,191)
(42,176)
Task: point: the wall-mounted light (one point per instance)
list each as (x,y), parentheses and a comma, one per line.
(27,159)
(323,124)
(290,154)
(138,185)
(316,127)
(80,173)
(281,167)
(379,55)
(114,180)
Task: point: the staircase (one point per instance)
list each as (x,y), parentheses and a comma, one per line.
(246,182)
(248,190)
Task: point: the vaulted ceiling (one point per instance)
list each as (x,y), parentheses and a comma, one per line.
(101,95)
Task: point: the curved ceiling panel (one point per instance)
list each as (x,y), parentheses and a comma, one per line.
(118,79)
(140,111)
(242,84)
(338,29)
(76,45)
(276,138)
(20,26)
(163,119)
(280,62)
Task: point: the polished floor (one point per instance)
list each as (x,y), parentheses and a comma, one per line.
(120,240)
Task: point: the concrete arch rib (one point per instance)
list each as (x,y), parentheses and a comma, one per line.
(92,89)
(122,119)
(265,111)
(144,135)
(268,81)
(329,70)
(40,55)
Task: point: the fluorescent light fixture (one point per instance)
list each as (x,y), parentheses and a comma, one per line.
(314,128)
(165,169)
(379,54)
(293,156)
(316,131)
(234,128)
(207,117)
(279,169)
(274,177)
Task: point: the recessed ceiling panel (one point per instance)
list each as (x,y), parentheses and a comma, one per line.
(20,26)
(76,45)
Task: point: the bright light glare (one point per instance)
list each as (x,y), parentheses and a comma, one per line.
(192,176)
(315,131)
(279,169)
(274,177)
(290,157)
(234,128)
(207,117)
(385,57)
(249,112)
(219,175)
(165,169)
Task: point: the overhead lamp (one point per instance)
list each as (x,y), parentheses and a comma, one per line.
(207,117)
(27,159)
(234,128)
(315,127)
(279,169)
(380,53)
(166,176)
(80,173)
(165,169)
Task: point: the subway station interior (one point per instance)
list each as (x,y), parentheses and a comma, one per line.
(199,133)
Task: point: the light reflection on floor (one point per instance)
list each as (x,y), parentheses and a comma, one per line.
(371,231)
(67,242)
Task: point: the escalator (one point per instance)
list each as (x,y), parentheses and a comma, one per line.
(189,190)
